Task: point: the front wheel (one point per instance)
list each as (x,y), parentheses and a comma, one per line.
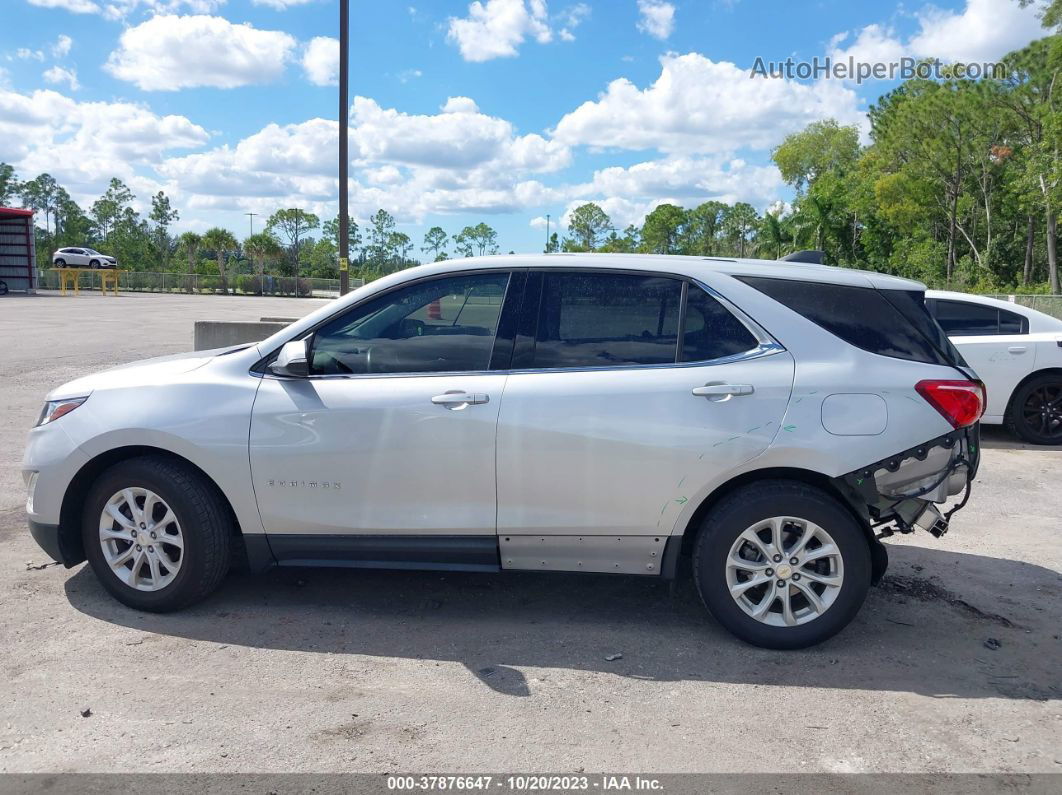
(782,565)
(60,263)
(94,263)
(1035,412)
(157,533)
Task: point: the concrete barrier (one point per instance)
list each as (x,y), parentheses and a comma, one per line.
(222,333)
(278,319)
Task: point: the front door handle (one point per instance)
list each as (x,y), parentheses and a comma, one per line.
(457,400)
(723,390)
(1017,349)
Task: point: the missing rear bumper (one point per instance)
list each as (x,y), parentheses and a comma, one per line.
(899,493)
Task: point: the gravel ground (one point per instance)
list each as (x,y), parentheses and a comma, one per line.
(375,671)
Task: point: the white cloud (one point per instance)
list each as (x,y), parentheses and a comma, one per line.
(167,53)
(699,105)
(458,138)
(281,5)
(57,74)
(657,18)
(84,144)
(62,46)
(984,30)
(571,18)
(26,54)
(495,29)
(120,9)
(75,6)
(320,61)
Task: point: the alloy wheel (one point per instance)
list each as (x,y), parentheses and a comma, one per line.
(141,539)
(784,571)
(1042,411)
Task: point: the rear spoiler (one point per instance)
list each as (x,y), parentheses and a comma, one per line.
(812,256)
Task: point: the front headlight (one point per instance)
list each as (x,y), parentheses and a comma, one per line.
(54,409)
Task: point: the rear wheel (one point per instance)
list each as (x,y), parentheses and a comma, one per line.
(157,533)
(60,263)
(95,263)
(782,565)
(1035,412)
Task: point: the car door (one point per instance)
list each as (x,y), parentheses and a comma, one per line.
(393,432)
(629,393)
(994,342)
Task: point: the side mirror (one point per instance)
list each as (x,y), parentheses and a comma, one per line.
(292,361)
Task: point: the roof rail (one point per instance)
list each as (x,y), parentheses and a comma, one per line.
(813,256)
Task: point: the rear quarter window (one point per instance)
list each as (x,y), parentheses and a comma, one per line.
(892,323)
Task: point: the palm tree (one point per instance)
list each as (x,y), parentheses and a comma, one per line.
(262,248)
(221,242)
(190,243)
(774,235)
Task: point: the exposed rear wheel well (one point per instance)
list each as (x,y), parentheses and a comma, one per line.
(806,476)
(70,513)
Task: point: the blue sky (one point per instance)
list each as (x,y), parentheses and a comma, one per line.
(498,110)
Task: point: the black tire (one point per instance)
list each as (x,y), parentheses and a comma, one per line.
(747,506)
(94,263)
(60,263)
(205,522)
(1025,416)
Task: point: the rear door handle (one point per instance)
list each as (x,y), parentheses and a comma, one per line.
(454,400)
(1017,349)
(723,390)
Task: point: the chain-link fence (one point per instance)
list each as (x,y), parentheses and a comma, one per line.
(192,283)
(1048,304)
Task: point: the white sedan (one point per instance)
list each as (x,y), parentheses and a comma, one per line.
(1017,352)
(82,257)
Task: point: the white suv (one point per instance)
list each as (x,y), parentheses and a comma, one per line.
(81,257)
(583,413)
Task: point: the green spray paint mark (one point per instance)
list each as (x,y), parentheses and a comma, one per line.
(859,482)
(750,430)
(789,428)
(682,500)
(681,482)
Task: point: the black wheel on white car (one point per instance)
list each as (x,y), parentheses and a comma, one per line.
(1035,413)
(60,263)
(782,565)
(157,533)
(94,263)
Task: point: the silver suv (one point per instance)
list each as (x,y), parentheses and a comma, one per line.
(582,413)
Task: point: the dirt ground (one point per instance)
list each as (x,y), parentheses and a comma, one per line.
(377,671)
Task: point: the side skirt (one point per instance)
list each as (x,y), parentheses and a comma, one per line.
(426,553)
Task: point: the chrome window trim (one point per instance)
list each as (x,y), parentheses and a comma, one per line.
(767,345)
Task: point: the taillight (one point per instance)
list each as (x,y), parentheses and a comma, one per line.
(960,402)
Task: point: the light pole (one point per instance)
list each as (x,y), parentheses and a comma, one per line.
(250,220)
(344,89)
(547,233)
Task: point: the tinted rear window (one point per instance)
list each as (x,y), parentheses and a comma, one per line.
(963,319)
(599,320)
(886,322)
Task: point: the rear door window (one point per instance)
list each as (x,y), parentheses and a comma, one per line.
(891,323)
(967,319)
(604,320)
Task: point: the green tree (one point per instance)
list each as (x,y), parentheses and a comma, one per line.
(292,224)
(776,237)
(476,240)
(262,249)
(739,225)
(41,194)
(330,233)
(663,229)
(821,147)
(435,240)
(588,226)
(162,215)
(189,244)
(222,242)
(9,185)
(108,210)
(380,251)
